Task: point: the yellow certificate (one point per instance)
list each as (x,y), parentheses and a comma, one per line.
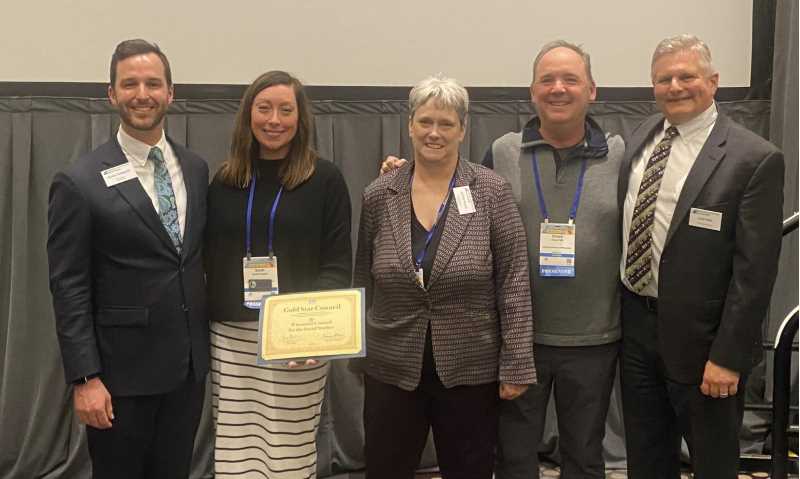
(321,324)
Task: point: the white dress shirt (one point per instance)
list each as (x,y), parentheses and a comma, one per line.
(692,135)
(136,152)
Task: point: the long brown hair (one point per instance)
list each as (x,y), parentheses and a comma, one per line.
(237,170)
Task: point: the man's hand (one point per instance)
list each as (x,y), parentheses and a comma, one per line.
(512,391)
(93,404)
(392,163)
(308,362)
(719,382)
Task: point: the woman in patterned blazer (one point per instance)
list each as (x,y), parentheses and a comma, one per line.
(442,257)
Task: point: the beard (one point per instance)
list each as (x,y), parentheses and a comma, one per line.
(142,122)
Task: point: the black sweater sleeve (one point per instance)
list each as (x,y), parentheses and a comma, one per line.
(336,255)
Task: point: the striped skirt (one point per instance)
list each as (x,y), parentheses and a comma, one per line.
(266,417)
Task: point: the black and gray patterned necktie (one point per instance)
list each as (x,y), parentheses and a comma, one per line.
(640,237)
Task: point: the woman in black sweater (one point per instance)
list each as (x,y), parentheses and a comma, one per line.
(267,417)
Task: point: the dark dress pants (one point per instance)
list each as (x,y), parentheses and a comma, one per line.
(396,423)
(581,379)
(658,411)
(152,437)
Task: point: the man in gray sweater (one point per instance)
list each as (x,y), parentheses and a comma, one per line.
(563,170)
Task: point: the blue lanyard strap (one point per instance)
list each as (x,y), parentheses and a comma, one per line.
(270,227)
(573,212)
(421,256)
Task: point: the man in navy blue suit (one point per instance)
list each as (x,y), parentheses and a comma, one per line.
(702,209)
(125,247)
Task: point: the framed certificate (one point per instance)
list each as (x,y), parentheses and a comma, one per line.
(318,325)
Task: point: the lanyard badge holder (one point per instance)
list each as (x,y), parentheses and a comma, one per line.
(557,240)
(260,273)
(418,259)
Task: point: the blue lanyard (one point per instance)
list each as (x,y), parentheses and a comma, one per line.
(271,226)
(421,256)
(573,212)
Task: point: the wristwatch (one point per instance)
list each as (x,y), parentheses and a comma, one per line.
(84,379)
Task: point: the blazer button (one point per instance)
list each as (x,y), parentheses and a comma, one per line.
(185,308)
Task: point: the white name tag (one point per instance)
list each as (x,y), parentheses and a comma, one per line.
(710,220)
(118,174)
(464,200)
(557,250)
(260,275)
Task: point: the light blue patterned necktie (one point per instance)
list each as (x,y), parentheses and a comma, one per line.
(167,206)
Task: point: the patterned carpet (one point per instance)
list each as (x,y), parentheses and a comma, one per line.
(552,472)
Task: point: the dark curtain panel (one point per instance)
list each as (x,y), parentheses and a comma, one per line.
(763,49)
(39,136)
(784,133)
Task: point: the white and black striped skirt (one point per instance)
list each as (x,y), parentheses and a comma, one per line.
(266,417)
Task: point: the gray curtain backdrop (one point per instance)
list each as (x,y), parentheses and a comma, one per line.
(39,136)
(784,133)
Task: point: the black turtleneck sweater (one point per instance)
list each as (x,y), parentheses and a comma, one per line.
(311,240)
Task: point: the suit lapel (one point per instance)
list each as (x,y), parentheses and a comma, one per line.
(133,193)
(705,164)
(398,206)
(454,227)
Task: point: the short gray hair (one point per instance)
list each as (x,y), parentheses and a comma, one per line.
(681,43)
(446,92)
(564,44)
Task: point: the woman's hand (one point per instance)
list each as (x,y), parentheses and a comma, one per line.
(391,163)
(296,364)
(512,391)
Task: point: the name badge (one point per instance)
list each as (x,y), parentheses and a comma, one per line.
(420,277)
(709,220)
(118,174)
(464,200)
(557,250)
(260,275)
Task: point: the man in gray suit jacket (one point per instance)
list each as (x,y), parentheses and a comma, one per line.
(701,235)
(125,251)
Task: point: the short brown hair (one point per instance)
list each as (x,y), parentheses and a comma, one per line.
(134,47)
(237,170)
(587,61)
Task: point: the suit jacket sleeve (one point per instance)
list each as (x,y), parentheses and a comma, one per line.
(755,263)
(512,282)
(362,275)
(69,250)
